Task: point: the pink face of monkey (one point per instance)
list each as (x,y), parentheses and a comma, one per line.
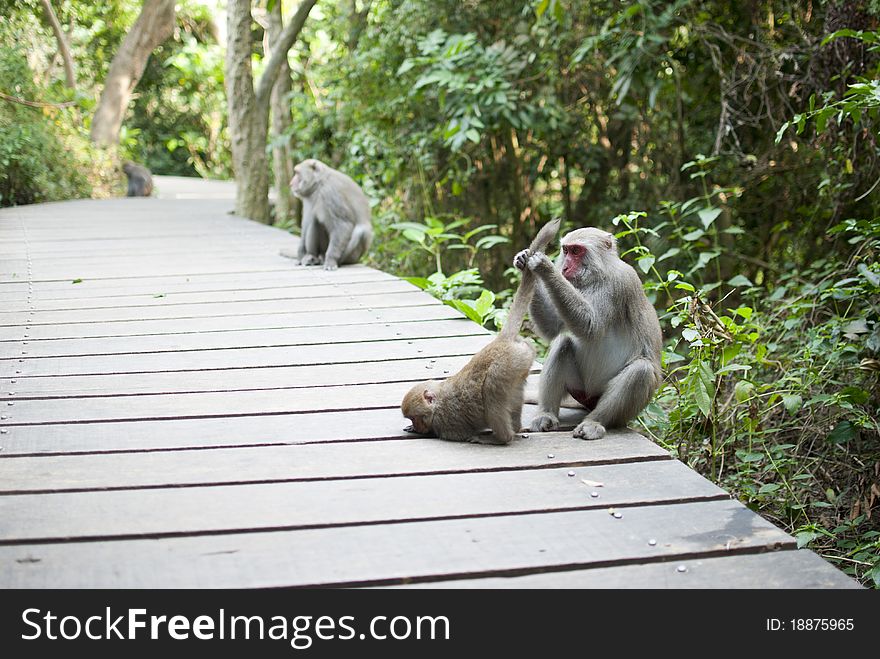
(586,248)
(573,257)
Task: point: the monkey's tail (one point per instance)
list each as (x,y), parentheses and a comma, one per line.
(523,295)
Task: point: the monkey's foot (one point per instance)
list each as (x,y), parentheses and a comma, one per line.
(310,259)
(544,423)
(330,265)
(589,429)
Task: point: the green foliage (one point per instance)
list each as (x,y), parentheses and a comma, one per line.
(177,122)
(43,156)
(436,237)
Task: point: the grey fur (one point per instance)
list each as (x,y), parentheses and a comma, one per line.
(140,180)
(606,338)
(336,226)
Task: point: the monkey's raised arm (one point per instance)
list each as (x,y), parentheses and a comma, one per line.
(527,285)
(576,309)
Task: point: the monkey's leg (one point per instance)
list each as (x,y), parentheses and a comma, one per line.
(625,396)
(313,243)
(340,234)
(503,429)
(559,373)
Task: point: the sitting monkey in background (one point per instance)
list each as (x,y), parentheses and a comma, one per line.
(140,180)
(488,391)
(336,227)
(606,338)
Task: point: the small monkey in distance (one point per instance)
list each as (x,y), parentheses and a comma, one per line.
(488,391)
(140,180)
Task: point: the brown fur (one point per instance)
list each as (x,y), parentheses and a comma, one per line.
(488,391)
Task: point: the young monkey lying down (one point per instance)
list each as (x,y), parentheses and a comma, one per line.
(488,391)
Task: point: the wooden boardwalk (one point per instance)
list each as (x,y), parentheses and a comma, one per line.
(182,407)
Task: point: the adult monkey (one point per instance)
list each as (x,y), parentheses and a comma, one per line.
(606,336)
(336,228)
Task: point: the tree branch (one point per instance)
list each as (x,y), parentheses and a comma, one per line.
(63,48)
(279,52)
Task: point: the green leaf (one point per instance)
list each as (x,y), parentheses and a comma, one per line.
(672,357)
(487,242)
(645,263)
(694,235)
(842,433)
(781,132)
(743,391)
(421,282)
(855,395)
(708,215)
(77,281)
(754,456)
(739,280)
(669,253)
(872,277)
(792,403)
(473,135)
(466,309)
(541,8)
(414,235)
(704,388)
(805,537)
(769,488)
(689,334)
(485,303)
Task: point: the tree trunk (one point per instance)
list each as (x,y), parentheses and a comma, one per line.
(358,21)
(154,25)
(249,106)
(63,48)
(281,162)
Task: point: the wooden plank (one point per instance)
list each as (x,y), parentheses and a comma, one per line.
(240,379)
(210,404)
(263,338)
(194,360)
(174,434)
(100,289)
(321,503)
(184,311)
(101,250)
(799,568)
(284,273)
(320,461)
(385,554)
(159,297)
(279,320)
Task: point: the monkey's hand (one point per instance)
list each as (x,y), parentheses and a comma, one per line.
(330,264)
(310,259)
(544,423)
(520,261)
(539,262)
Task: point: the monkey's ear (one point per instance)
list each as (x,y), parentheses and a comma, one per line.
(608,243)
(429,396)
